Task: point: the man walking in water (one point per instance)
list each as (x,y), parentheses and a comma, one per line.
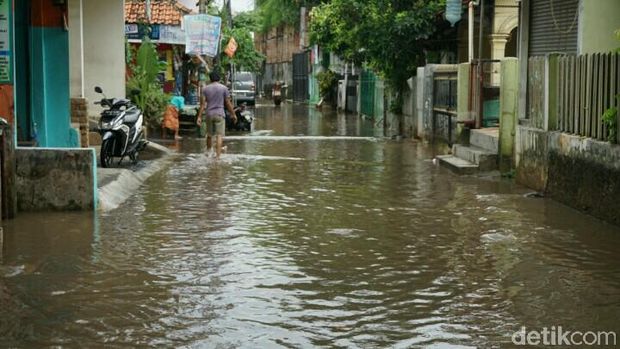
(216,97)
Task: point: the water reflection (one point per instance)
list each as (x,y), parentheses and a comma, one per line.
(305,243)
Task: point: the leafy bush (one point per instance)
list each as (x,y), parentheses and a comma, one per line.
(609,118)
(327,81)
(144,70)
(611,121)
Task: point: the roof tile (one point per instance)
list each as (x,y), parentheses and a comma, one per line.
(168,12)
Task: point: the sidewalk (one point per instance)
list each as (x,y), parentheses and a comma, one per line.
(115,185)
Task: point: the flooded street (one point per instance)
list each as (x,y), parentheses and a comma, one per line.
(297,239)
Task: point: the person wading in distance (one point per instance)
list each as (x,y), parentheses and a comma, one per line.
(215,97)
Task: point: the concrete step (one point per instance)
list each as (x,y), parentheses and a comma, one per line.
(486,160)
(457,165)
(485,138)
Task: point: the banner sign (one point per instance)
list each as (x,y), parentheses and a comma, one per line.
(202,34)
(139,31)
(131,28)
(171,34)
(231,48)
(6,71)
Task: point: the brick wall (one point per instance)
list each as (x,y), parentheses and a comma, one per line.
(278,44)
(79,116)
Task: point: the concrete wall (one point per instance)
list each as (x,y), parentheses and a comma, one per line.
(585,174)
(598,20)
(409,109)
(419,103)
(532,157)
(280,72)
(55,179)
(427,95)
(104,49)
(580,172)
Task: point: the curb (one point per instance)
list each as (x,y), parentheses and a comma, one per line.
(127,181)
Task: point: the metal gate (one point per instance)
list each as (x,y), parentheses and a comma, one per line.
(444,107)
(300,76)
(367,93)
(484,89)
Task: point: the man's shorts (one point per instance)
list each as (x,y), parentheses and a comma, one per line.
(216,125)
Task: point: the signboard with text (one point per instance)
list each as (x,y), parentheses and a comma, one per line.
(202,34)
(139,31)
(6,71)
(171,34)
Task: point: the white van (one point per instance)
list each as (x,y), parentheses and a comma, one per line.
(244,88)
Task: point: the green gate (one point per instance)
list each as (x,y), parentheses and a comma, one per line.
(367,92)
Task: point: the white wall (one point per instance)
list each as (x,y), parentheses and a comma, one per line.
(598,20)
(76,53)
(104,49)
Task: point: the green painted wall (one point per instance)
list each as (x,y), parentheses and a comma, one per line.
(598,21)
(313,85)
(49,67)
(462,101)
(509,97)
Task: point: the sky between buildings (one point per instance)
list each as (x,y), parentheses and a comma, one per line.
(237,5)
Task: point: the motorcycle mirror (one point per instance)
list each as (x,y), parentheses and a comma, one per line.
(98,89)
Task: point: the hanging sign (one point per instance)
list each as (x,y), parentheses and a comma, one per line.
(202,34)
(231,48)
(6,71)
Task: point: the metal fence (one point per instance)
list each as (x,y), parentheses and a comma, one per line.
(536,91)
(587,86)
(570,93)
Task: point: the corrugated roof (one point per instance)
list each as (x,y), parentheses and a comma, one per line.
(167,12)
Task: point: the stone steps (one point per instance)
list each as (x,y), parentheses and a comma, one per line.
(457,165)
(480,156)
(484,159)
(486,138)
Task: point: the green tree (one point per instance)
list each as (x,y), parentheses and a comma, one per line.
(274,13)
(390,36)
(247,57)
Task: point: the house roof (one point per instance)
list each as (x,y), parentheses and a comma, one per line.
(167,12)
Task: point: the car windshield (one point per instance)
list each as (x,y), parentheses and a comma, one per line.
(244,77)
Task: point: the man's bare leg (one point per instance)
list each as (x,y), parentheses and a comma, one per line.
(209,144)
(218,150)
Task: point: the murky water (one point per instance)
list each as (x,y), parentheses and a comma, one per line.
(309,242)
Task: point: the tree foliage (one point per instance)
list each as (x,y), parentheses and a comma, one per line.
(273,13)
(247,57)
(390,36)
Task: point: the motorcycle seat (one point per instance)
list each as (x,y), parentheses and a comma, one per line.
(119,102)
(132,116)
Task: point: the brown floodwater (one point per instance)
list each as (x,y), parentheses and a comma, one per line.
(297,239)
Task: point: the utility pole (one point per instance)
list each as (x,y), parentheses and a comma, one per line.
(202,6)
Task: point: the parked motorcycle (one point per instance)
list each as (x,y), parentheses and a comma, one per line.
(245,118)
(120,127)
